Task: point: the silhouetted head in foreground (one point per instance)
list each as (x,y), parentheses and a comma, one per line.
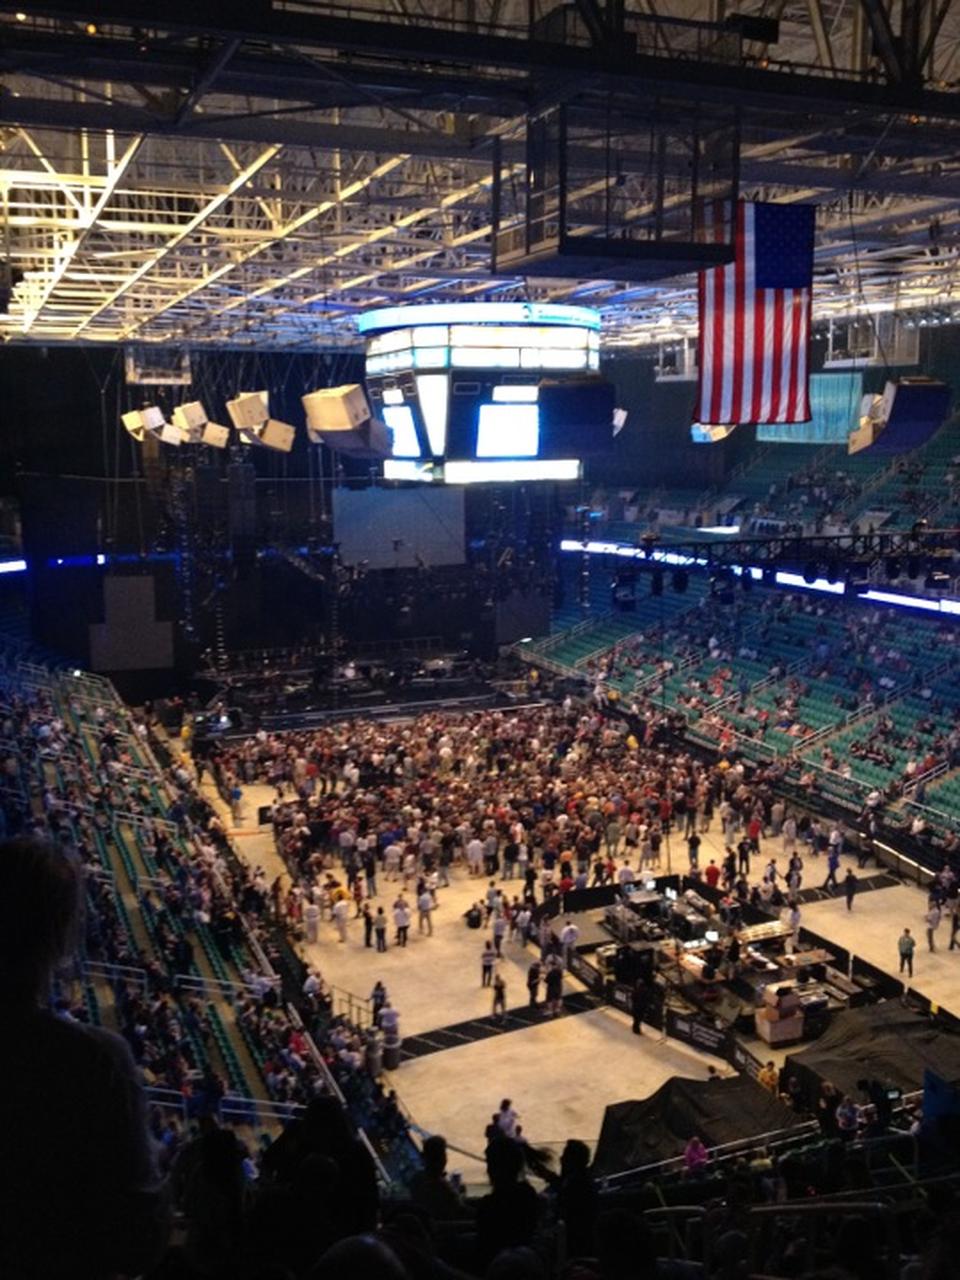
(39,911)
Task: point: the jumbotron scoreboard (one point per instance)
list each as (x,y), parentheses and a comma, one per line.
(487,391)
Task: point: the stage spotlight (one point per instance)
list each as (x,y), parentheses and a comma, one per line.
(810,572)
(914,567)
(656,582)
(919,528)
(680,581)
(832,571)
(892,568)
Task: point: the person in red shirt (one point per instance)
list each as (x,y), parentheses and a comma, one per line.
(711,873)
(754,828)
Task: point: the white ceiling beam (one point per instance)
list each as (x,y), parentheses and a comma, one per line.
(88,222)
(352,189)
(178,238)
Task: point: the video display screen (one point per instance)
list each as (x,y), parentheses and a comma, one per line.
(485,391)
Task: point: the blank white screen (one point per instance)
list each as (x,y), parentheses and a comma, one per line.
(508,431)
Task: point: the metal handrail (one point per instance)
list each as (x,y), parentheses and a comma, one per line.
(350,1005)
(217,986)
(723,1151)
(233,1107)
(110,972)
(938,814)
(927,776)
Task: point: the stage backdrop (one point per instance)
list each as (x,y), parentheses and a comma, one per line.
(131,637)
(391,528)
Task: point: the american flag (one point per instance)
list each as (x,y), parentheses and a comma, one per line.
(754,335)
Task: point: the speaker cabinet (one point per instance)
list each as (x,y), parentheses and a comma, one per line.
(336,408)
(215,435)
(249,410)
(277,435)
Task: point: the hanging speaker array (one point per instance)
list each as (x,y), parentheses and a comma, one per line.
(339,417)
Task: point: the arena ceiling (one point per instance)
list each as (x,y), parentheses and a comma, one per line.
(254,174)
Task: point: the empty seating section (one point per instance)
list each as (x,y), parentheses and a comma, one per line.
(809,486)
(771,467)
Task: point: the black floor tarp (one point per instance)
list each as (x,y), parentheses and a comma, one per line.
(658,1128)
(884,1042)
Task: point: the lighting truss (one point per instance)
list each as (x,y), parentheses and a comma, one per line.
(258,188)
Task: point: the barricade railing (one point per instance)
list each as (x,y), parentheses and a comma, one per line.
(109,972)
(320,1063)
(774,1140)
(151,884)
(231,991)
(382,1174)
(355,1009)
(658,676)
(927,776)
(534,656)
(936,815)
(143,820)
(232,1109)
(316,1056)
(258,953)
(558,637)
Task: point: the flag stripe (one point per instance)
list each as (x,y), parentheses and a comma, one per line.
(753,343)
(776,358)
(719,310)
(749,322)
(738,271)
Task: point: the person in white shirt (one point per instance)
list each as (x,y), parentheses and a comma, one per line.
(401,918)
(341,913)
(347,840)
(507,1119)
(793,920)
(522,924)
(391,860)
(389,1021)
(311,921)
(313,985)
(568,938)
(625,874)
(474,852)
(425,913)
(789,835)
